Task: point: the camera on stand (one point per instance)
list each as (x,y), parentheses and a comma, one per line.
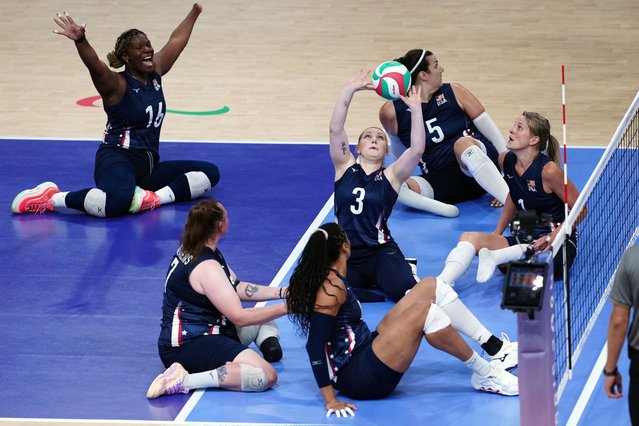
(526,279)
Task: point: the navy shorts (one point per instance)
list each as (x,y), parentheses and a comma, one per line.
(383,266)
(451,185)
(366,377)
(203,353)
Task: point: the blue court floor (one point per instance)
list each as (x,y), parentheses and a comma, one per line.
(81,301)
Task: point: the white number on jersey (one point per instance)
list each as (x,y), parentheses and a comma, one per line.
(436,130)
(158,119)
(360,193)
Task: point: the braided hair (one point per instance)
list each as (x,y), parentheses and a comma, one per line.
(321,250)
(121,44)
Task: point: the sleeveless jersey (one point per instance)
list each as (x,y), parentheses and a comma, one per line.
(187,314)
(136,120)
(445,122)
(363,204)
(527,192)
(350,333)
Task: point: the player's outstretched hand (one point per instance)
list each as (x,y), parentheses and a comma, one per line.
(69,28)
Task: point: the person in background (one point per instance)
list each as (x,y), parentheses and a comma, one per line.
(625,297)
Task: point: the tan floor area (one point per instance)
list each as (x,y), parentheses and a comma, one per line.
(279,65)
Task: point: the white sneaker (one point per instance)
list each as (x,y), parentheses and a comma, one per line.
(496,381)
(507,358)
(486,266)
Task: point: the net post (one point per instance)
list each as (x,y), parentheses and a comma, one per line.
(537,384)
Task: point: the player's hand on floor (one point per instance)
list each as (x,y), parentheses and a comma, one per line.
(340,408)
(496,203)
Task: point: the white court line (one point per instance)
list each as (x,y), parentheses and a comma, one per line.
(288,264)
(582,402)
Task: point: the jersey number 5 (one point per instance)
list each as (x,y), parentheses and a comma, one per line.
(436,131)
(360,193)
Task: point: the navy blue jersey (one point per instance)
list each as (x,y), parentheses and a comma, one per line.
(527,192)
(445,122)
(187,314)
(350,333)
(136,120)
(363,204)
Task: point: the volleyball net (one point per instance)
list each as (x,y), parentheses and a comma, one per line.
(610,200)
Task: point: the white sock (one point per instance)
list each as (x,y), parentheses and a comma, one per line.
(478,364)
(166,195)
(206,379)
(410,198)
(489,259)
(485,172)
(463,320)
(457,262)
(58,199)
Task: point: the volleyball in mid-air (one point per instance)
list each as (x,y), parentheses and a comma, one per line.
(391,80)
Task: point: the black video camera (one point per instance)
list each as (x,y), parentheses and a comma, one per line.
(526,279)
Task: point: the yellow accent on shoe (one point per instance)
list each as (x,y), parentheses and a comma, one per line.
(35,200)
(143,200)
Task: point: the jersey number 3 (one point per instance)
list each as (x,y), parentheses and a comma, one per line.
(358,207)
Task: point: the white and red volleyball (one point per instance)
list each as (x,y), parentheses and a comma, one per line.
(391,80)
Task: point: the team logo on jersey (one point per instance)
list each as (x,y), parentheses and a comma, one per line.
(531,186)
(378,176)
(440,99)
(156,84)
(136,90)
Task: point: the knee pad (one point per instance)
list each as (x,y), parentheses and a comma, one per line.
(474,158)
(424,187)
(199,183)
(436,319)
(253,379)
(95,202)
(444,294)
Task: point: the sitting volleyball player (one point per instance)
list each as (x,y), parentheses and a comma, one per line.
(129,176)
(345,355)
(462,141)
(536,182)
(202,312)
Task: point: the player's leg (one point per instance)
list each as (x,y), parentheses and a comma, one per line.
(181,180)
(393,274)
(472,157)
(460,257)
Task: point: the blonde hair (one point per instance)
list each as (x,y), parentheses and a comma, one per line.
(540,126)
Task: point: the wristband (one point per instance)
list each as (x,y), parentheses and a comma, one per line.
(610,373)
(280,292)
(81,39)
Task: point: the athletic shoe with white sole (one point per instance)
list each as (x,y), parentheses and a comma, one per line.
(168,383)
(507,358)
(35,200)
(143,200)
(496,381)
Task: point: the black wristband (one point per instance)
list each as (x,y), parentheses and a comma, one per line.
(81,39)
(280,292)
(610,373)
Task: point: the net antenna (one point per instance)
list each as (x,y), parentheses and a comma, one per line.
(567,227)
